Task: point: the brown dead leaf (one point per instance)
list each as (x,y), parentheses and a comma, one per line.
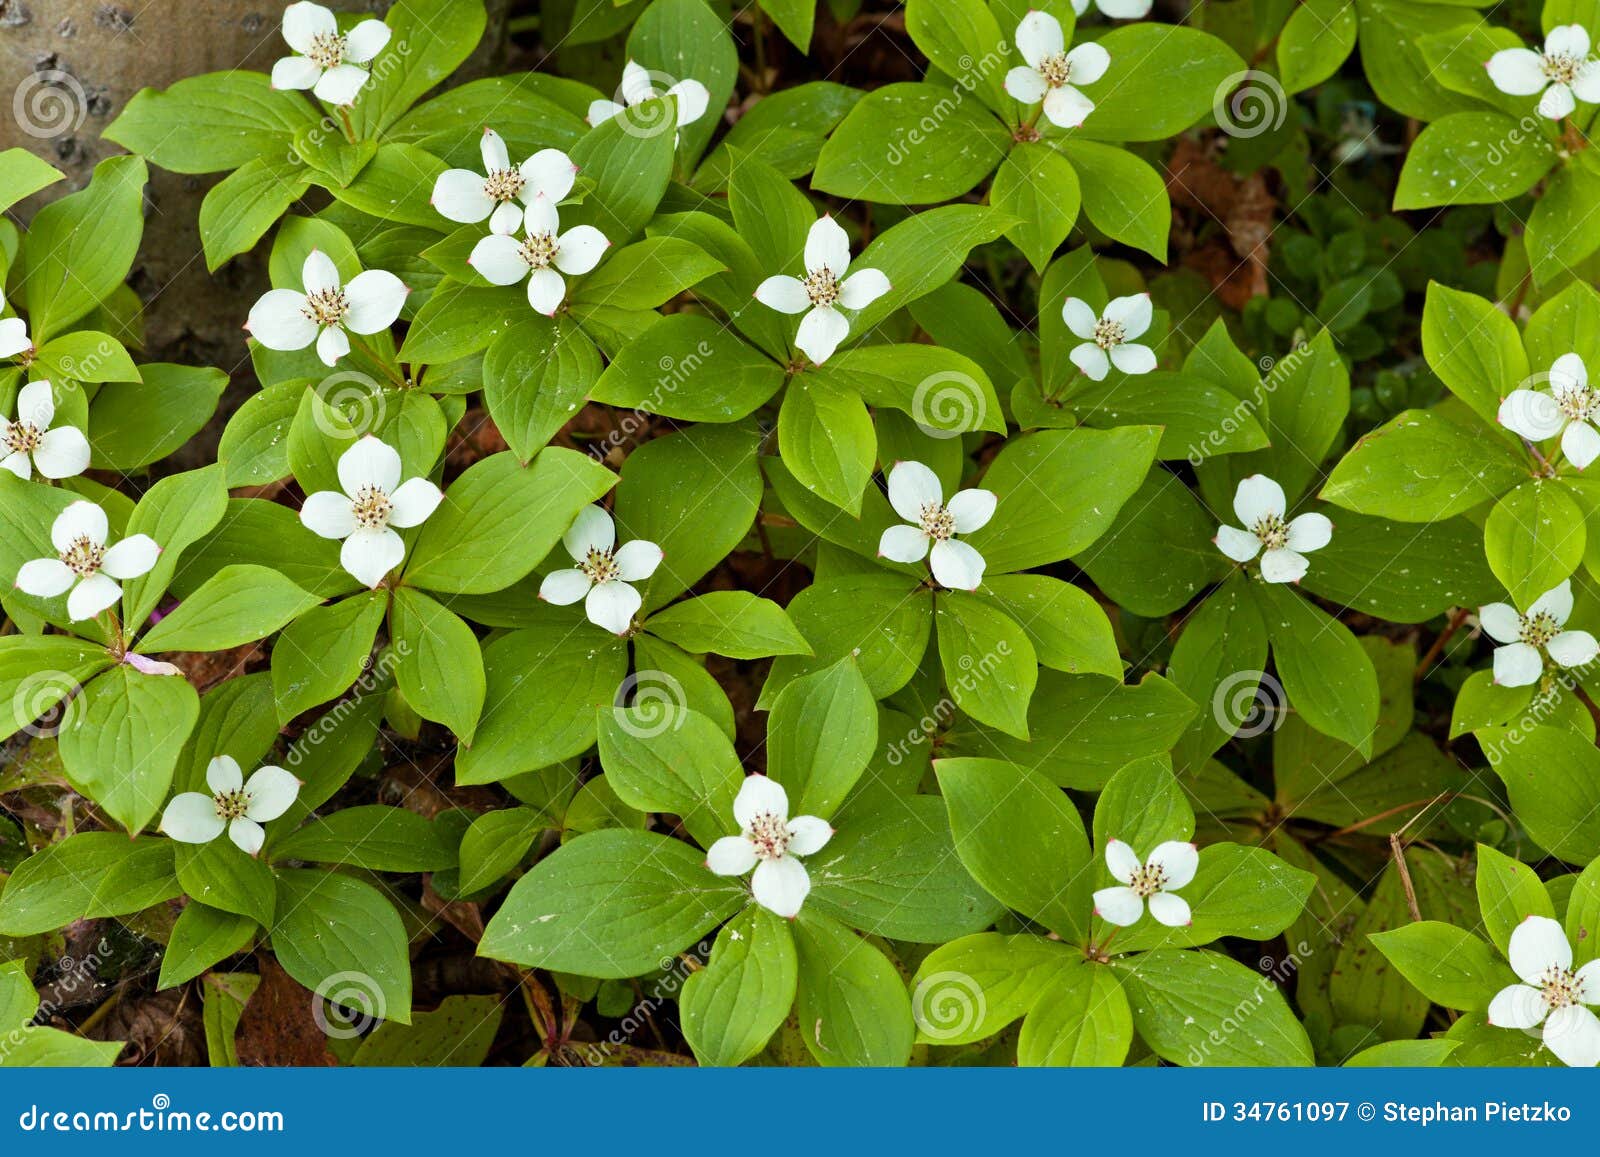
(278,1027)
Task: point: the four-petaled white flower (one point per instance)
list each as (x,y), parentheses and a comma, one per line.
(373,503)
(84,564)
(1282,544)
(1108,339)
(328,60)
(769,841)
(1571,409)
(503,189)
(917,497)
(1170,866)
(1528,638)
(1551,993)
(1561,70)
(193,817)
(1116,9)
(1052,73)
(637,88)
(14,339)
(29,441)
(504,260)
(286,319)
(603,572)
(825,288)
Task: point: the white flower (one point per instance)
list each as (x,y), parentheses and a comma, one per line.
(504,260)
(1170,866)
(827,257)
(464,196)
(637,88)
(1563,65)
(769,841)
(1551,994)
(1116,9)
(328,59)
(916,496)
(1260,505)
(1052,71)
(603,572)
(1107,339)
(79,535)
(14,339)
(1570,409)
(1520,661)
(374,501)
(195,818)
(58,453)
(285,319)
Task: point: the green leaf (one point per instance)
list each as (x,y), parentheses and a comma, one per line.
(253,444)
(1403,572)
(22,174)
(177,512)
(1446,964)
(975,986)
(820,737)
(441,668)
(827,440)
(211,123)
(459,320)
(201,938)
(237,605)
(737,624)
(1123,196)
(1142,805)
(663,758)
(1162,79)
(1081,1019)
(1237,891)
(340,938)
(1158,552)
(122,745)
(1472,158)
(1327,676)
(730,1008)
(239,209)
(220,876)
(536,376)
(851,1002)
(135,423)
(646,274)
(86,875)
(1183,1003)
(1315,41)
(1562,231)
(962,38)
(1552,775)
(880,620)
(989,664)
(38,672)
(376,837)
(428,40)
(495,844)
(1421,467)
(944,392)
(87,355)
(666,370)
(1217,663)
(1067,627)
(630,171)
(323,651)
(1534,539)
(1508,893)
(395,185)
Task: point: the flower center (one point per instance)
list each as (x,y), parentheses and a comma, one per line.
(1561,68)
(372,508)
(327,49)
(1576,403)
(1108,333)
(1148,880)
(1560,987)
(770,835)
(1056,70)
(326,306)
(1273,532)
(84,556)
(937,523)
(503,184)
(600,566)
(1538,629)
(538,250)
(231,805)
(21,437)
(822,287)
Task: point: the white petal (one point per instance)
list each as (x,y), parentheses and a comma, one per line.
(550,172)
(1586,85)
(565,587)
(1310,532)
(223,775)
(1517,1006)
(332,344)
(784,294)
(327,513)
(612,605)
(91,596)
(1588,978)
(1557,102)
(1080,317)
(365,41)
(1580,443)
(498,259)
(62,453)
(16,462)
(862,288)
(903,544)
(506,218)
(1171,910)
(808,835)
(820,333)
(636,84)
(81,519)
(44,578)
(1532,413)
(246,835)
(1066,107)
(375,299)
(1517,71)
(1256,498)
(1039,36)
(693,100)
(1283,566)
(1568,372)
(191,818)
(271,791)
(1089,61)
(1025,86)
(36,404)
(781,886)
(591,530)
(1132,358)
(295,73)
(637,560)
(132,557)
(370,462)
(369,554)
(1567,40)
(1555,602)
(1122,861)
(278,320)
(1573,648)
(1133,313)
(304,22)
(13,337)
(340,84)
(1091,359)
(955,565)
(731,856)
(1120,906)
(827,246)
(1517,665)
(1500,622)
(492,148)
(912,489)
(1573,1034)
(972,509)
(546,291)
(1239,545)
(758,796)
(1178,860)
(541,216)
(601,111)
(318,272)
(1538,943)
(579,250)
(414,500)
